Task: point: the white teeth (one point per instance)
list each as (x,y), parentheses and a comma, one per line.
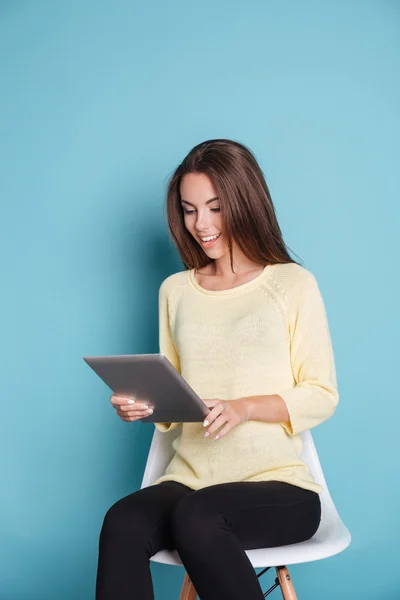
(211,237)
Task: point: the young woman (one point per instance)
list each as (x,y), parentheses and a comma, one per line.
(246,327)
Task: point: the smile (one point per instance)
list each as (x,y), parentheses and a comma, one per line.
(210,237)
(210,241)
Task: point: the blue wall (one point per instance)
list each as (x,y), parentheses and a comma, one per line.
(99,102)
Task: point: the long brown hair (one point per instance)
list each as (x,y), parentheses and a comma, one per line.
(248,213)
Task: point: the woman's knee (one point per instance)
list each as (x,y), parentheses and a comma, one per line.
(193,523)
(126,519)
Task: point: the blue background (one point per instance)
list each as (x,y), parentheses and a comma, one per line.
(99,102)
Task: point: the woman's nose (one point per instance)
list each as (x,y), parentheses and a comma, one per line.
(203,222)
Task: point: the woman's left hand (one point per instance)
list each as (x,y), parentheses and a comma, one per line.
(225,412)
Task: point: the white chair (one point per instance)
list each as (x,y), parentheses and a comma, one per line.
(331,538)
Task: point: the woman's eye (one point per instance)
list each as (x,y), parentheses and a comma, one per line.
(189,212)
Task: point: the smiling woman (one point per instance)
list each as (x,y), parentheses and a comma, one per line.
(246,327)
(219,188)
(204,220)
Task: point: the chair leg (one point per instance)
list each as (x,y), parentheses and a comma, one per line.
(188,591)
(286,584)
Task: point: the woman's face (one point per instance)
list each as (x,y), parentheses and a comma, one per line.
(202,213)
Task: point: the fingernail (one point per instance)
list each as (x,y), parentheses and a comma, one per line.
(216,437)
(207,433)
(145,406)
(131,402)
(205,423)
(150,411)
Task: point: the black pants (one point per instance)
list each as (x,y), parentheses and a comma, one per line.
(210,528)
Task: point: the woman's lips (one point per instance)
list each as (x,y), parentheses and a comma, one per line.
(211,243)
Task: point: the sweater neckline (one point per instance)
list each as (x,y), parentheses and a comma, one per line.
(238,289)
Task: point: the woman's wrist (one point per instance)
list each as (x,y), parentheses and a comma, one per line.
(270,408)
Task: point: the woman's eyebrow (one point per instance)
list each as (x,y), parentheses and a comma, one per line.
(208,201)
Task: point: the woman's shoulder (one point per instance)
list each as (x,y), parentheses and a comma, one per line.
(173,282)
(291,281)
(290,275)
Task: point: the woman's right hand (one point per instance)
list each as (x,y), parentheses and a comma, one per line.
(130,409)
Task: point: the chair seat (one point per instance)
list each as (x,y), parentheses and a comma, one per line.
(331,538)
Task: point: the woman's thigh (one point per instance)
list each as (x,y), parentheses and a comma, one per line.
(143,517)
(260,514)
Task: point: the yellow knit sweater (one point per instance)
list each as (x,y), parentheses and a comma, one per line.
(267,336)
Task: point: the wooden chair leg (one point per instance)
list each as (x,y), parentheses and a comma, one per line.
(188,591)
(286,584)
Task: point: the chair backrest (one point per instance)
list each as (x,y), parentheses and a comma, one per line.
(310,456)
(161,453)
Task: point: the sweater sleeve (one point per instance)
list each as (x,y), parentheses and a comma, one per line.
(314,397)
(166,345)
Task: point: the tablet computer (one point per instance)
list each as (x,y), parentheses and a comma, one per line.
(152,379)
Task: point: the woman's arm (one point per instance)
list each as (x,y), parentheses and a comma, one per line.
(314,398)
(271,408)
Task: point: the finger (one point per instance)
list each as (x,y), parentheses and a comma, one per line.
(129,404)
(131,419)
(122,400)
(130,411)
(223,432)
(135,407)
(219,421)
(210,403)
(217,410)
(136,417)
(138,414)
(135,413)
